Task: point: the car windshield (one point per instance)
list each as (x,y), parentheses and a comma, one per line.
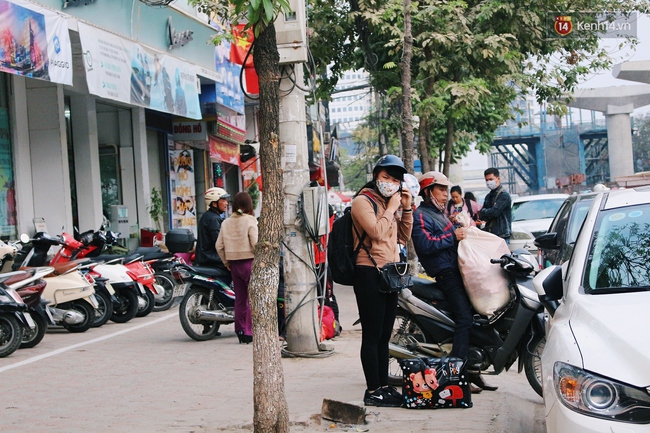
(536,209)
(619,255)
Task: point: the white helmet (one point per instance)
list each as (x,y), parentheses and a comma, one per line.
(214,194)
(600,187)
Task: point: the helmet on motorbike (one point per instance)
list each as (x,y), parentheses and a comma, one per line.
(393,166)
(431,178)
(214,194)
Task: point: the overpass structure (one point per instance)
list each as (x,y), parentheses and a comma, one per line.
(594,150)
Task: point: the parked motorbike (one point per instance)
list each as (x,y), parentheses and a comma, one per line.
(29,284)
(72,297)
(14,318)
(424,326)
(206,301)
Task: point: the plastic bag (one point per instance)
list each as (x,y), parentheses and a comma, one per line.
(486,283)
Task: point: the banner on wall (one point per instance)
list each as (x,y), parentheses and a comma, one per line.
(183,195)
(223,151)
(125,71)
(228,91)
(34,42)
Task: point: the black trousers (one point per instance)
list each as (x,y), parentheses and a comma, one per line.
(451,283)
(377,313)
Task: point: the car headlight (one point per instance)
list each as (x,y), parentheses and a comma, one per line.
(520,236)
(598,396)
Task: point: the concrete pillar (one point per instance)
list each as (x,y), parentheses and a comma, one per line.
(83,113)
(617,102)
(300,282)
(141,163)
(49,155)
(619,141)
(22,157)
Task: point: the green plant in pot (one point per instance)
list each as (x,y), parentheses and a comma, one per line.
(156,208)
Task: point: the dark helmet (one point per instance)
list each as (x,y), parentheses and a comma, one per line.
(392,164)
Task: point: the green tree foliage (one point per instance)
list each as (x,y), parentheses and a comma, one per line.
(641,143)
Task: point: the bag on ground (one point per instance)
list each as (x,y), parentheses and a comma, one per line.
(486,283)
(433,383)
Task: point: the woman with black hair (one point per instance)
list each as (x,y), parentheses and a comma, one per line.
(375,212)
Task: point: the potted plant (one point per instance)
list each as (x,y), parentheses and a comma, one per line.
(155,208)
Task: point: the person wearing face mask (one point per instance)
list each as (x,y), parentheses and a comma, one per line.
(384,228)
(497,208)
(435,239)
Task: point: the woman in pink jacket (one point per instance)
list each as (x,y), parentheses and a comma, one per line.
(457,204)
(235,245)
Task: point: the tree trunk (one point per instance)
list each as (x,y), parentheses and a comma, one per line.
(270,405)
(449,144)
(422,145)
(381,135)
(407,108)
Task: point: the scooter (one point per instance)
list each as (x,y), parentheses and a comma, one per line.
(72,297)
(424,325)
(206,301)
(29,284)
(14,318)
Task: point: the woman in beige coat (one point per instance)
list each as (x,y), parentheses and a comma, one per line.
(235,245)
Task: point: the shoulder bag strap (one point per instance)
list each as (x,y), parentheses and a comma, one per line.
(362,237)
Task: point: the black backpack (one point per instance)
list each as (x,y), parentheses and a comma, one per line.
(341,252)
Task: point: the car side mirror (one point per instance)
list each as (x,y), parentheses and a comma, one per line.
(547,241)
(549,288)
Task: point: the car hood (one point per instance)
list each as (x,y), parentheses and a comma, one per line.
(532,225)
(612,335)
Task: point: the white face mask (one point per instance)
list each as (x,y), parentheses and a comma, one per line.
(492,184)
(387,189)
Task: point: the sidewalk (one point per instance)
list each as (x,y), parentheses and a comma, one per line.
(513,408)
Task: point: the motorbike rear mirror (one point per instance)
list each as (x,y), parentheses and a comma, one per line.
(549,288)
(24,238)
(547,241)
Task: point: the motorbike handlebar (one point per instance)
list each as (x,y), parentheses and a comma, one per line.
(498,261)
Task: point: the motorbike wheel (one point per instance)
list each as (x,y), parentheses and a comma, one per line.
(166,301)
(85,309)
(533,363)
(194,300)
(11,334)
(32,337)
(150,302)
(403,330)
(128,305)
(105,309)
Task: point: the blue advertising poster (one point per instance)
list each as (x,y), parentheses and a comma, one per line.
(228,92)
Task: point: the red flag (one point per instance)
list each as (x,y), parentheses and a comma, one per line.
(241,45)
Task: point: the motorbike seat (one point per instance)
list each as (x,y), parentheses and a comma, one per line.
(106,258)
(18,276)
(208,272)
(63,268)
(427,290)
(156,255)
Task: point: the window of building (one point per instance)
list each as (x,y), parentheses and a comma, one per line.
(7,187)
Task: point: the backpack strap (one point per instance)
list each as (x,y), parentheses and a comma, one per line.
(363,236)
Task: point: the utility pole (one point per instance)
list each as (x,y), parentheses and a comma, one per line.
(300,281)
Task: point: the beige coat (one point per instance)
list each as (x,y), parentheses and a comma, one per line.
(237,238)
(383,230)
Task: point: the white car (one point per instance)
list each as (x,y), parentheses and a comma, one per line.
(596,362)
(531,216)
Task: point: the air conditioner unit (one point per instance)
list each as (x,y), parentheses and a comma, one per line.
(291,34)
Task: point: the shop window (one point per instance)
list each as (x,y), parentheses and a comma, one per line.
(7,186)
(109,169)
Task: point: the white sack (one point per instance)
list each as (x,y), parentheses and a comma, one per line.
(486,283)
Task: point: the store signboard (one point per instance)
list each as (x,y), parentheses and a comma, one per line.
(125,71)
(223,151)
(190,131)
(35,42)
(183,194)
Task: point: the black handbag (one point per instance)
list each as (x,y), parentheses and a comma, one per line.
(432,383)
(394,277)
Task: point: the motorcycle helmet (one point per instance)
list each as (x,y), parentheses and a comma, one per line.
(214,194)
(393,166)
(431,178)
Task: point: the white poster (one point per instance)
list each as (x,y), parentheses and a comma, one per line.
(125,71)
(35,42)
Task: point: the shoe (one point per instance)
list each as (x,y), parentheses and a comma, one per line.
(475,389)
(392,391)
(381,398)
(477,380)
